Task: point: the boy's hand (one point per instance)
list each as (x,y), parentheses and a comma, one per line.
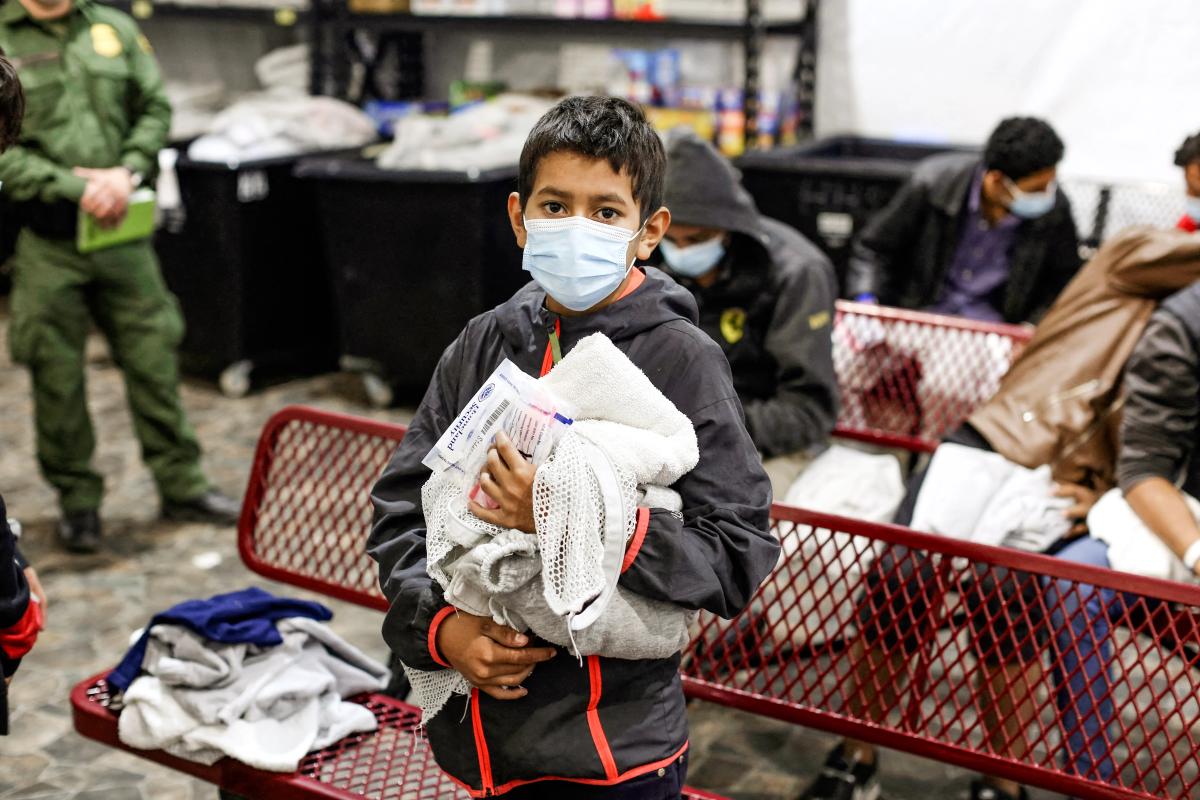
(1084,499)
(492,658)
(508,480)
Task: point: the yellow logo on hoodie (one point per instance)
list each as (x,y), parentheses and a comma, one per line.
(105,40)
(733,324)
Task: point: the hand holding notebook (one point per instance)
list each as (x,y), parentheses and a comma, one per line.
(137,224)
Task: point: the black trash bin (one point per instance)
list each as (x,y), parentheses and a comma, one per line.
(246,262)
(414,256)
(828,189)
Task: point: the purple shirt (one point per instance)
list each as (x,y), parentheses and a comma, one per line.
(980,264)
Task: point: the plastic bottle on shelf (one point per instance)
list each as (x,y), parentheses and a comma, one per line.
(567,8)
(731,122)
(769,116)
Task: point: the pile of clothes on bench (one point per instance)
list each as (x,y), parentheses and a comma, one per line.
(248,675)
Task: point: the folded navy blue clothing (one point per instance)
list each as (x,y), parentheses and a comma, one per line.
(243,617)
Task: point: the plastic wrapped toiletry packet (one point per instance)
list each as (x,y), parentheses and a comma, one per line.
(510,401)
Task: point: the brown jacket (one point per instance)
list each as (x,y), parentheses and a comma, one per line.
(1060,402)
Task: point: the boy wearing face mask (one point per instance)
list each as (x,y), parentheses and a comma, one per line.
(765,295)
(538,723)
(1187,157)
(988,238)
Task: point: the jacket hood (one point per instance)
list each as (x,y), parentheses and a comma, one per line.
(704,189)
(523,317)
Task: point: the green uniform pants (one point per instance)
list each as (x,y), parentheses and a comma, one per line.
(56,294)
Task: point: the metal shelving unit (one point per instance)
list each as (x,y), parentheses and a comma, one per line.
(342,39)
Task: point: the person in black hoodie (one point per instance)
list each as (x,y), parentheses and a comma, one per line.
(988,238)
(22,609)
(765,294)
(538,723)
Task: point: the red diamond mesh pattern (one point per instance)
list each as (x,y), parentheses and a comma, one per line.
(391,763)
(308,508)
(907,377)
(1095,703)
(394,763)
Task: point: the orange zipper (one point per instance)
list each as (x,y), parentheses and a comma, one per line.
(593,718)
(485,761)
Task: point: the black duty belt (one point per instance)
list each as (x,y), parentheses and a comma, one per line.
(57,220)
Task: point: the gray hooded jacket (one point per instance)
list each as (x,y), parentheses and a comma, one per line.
(712,556)
(771,309)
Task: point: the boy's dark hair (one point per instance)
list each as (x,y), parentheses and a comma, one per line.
(599,127)
(1021,146)
(1188,152)
(12,104)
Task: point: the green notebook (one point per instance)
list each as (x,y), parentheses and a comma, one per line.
(137,225)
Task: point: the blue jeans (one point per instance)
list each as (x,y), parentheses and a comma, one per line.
(1082,677)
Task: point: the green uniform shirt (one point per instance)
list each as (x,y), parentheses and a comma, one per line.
(94,98)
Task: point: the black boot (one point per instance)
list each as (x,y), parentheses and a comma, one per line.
(212,506)
(79,531)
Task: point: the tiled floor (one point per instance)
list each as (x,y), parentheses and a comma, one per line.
(147,565)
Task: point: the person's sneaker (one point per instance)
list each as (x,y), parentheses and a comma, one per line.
(984,791)
(79,531)
(212,506)
(841,779)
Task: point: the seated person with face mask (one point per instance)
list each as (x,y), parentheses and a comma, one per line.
(765,295)
(538,722)
(988,238)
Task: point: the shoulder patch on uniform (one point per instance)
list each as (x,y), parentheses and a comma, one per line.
(144,43)
(106,41)
(818,320)
(733,324)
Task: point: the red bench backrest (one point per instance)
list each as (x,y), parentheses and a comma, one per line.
(308,509)
(790,655)
(907,377)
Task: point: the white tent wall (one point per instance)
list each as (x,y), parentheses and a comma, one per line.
(1118,80)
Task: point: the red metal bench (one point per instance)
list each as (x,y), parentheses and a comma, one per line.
(304,522)
(785,657)
(908,377)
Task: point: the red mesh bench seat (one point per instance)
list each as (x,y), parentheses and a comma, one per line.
(393,763)
(789,655)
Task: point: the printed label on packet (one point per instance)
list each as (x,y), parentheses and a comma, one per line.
(511,401)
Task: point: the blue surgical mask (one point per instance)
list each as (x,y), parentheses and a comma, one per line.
(694,260)
(1193,209)
(578,261)
(1031,205)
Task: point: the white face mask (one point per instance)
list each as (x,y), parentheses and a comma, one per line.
(694,260)
(1031,205)
(578,261)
